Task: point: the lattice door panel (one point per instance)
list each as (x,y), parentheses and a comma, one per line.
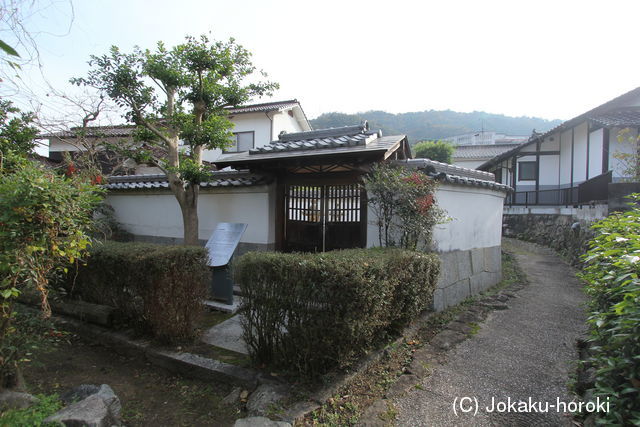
(323,217)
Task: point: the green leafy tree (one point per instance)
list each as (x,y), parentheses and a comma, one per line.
(16,131)
(179,94)
(629,159)
(440,151)
(44,223)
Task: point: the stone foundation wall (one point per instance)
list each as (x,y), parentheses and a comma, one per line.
(466,272)
(566,234)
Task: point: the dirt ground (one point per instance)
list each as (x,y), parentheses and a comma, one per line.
(150,396)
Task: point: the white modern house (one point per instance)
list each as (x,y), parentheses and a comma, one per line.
(575,162)
(255,125)
(485,137)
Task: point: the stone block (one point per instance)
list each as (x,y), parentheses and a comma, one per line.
(438,300)
(477,260)
(448,269)
(457,292)
(493,259)
(464,264)
(101,409)
(482,281)
(264,397)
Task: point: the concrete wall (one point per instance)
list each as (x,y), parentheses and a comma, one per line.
(155,215)
(469,244)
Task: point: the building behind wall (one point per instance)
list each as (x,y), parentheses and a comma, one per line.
(255,126)
(575,163)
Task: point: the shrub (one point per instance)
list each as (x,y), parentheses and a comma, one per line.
(310,313)
(440,151)
(44,224)
(158,289)
(613,285)
(404,205)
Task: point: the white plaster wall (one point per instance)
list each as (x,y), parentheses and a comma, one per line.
(282,121)
(624,146)
(57,145)
(565,158)
(476,219)
(595,153)
(549,169)
(158,214)
(551,144)
(258,123)
(580,153)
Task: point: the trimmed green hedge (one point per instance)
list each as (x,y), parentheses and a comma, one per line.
(311,313)
(612,273)
(157,289)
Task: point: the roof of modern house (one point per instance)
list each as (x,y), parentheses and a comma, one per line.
(481,151)
(219,179)
(333,141)
(93,131)
(126,130)
(264,107)
(610,114)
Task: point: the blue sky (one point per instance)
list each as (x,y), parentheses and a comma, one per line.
(552,59)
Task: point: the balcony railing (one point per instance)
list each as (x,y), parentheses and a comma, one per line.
(595,189)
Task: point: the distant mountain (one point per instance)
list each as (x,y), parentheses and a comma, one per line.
(434,124)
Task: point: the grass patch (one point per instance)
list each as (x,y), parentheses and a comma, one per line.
(475,328)
(34,415)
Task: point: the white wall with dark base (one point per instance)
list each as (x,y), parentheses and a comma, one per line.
(155,216)
(469,244)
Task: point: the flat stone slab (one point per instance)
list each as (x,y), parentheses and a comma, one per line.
(225,308)
(227,335)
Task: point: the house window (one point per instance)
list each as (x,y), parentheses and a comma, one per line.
(527,171)
(244,141)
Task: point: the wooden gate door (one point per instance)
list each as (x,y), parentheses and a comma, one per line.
(324,217)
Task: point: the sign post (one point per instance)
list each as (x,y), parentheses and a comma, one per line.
(222,245)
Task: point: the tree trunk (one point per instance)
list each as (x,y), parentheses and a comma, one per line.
(188,201)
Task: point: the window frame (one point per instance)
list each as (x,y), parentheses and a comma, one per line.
(235,134)
(535,170)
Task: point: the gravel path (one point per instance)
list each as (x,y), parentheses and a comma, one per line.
(520,353)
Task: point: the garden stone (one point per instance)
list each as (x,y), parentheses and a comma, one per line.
(265,396)
(259,422)
(101,409)
(79,393)
(233,397)
(16,400)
